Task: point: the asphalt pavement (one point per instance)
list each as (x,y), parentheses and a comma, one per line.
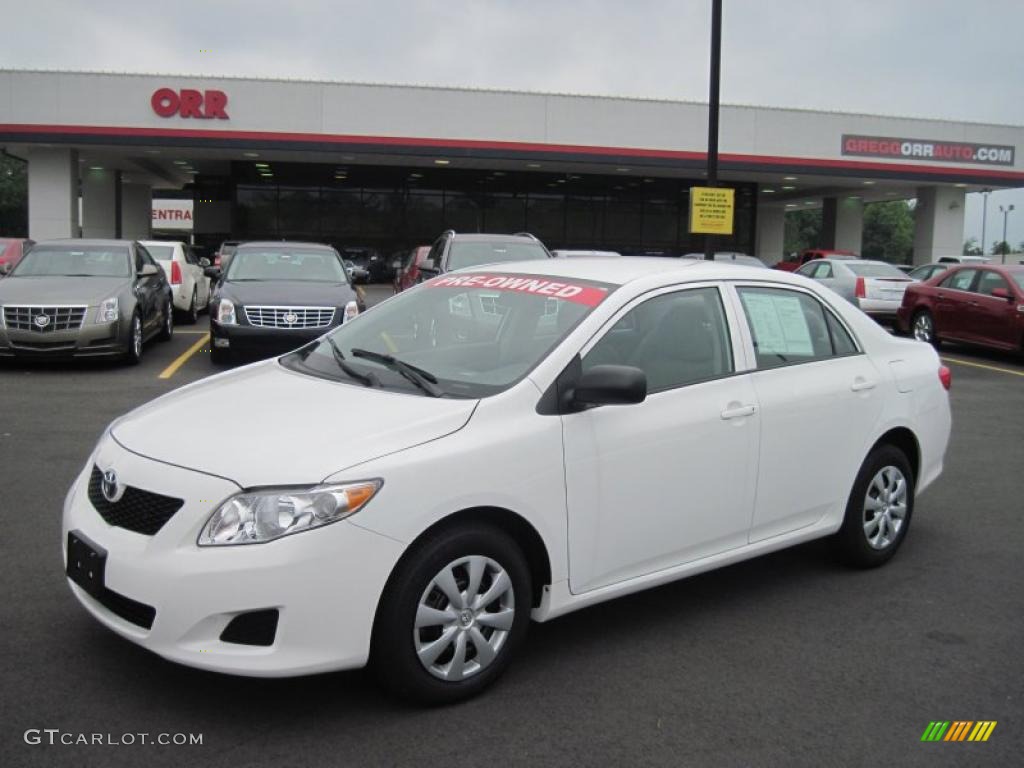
(786,660)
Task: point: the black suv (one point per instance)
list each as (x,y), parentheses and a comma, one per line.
(453,251)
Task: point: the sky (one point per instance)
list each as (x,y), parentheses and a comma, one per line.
(923,58)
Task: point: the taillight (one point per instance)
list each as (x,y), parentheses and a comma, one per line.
(175,273)
(860,291)
(946,377)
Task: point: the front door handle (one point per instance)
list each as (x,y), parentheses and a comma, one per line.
(739,411)
(862,385)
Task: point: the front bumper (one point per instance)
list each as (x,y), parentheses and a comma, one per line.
(252,340)
(90,340)
(325,583)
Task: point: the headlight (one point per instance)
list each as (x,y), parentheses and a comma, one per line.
(259,516)
(226,313)
(351,310)
(108,311)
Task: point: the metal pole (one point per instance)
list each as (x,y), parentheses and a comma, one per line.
(716,60)
(1006,246)
(984,217)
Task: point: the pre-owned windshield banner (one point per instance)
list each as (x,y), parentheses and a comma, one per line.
(567,290)
(928,150)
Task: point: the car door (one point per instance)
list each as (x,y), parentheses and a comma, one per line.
(669,480)
(819,398)
(953,299)
(147,288)
(195,279)
(991,319)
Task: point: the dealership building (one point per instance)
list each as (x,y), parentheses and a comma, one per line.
(391,167)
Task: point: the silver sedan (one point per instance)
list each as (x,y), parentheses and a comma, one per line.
(875,286)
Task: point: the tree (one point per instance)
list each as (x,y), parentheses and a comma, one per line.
(803,230)
(13,197)
(888,231)
(1000,248)
(971,247)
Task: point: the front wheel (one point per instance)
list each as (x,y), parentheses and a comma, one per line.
(923,328)
(192,315)
(452,615)
(133,356)
(879,509)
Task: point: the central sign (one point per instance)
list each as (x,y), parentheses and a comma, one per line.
(188,102)
(712,210)
(927,149)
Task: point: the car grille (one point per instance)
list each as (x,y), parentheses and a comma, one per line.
(140,511)
(44,319)
(139,614)
(290,317)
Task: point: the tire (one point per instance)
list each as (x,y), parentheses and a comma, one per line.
(219,356)
(192,314)
(922,327)
(878,511)
(167,328)
(133,356)
(421,663)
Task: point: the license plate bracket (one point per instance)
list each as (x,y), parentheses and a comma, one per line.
(87,563)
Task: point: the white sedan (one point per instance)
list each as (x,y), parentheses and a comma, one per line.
(511,442)
(190,288)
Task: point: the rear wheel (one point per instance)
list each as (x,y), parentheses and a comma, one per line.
(167,329)
(923,327)
(879,509)
(452,616)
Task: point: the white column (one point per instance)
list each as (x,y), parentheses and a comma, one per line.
(771,233)
(849,231)
(136,211)
(938,223)
(99,203)
(52,193)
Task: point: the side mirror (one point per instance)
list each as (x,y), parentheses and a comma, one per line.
(212,272)
(149,270)
(611,385)
(204,262)
(5,268)
(429,268)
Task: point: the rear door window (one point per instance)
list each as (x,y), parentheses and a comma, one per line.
(960,280)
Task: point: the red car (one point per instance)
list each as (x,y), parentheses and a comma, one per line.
(409,274)
(976,304)
(792,265)
(11,251)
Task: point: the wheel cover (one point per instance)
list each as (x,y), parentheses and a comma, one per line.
(923,328)
(137,336)
(169,318)
(885,507)
(463,618)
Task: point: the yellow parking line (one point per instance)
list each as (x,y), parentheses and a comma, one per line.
(981,365)
(171,369)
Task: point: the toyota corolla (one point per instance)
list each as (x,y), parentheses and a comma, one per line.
(494,446)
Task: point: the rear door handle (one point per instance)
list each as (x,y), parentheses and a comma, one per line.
(739,411)
(862,385)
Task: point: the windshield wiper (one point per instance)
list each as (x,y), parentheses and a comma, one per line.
(425,380)
(366,378)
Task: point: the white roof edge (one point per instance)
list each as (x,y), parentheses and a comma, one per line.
(472,89)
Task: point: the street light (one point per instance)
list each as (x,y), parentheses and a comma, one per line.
(984,217)
(1006,215)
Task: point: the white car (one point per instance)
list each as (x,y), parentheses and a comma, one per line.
(190,288)
(504,443)
(563,253)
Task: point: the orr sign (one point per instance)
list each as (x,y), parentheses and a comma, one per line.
(927,149)
(188,102)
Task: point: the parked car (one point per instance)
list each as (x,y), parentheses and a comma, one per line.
(370,259)
(454,250)
(794,263)
(410,275)
(276,296)
(963,260)
(225,252)
(356,273)
(927,271)
(415,500)
(11,251)
(731,257)
(976,304)
(84,298)
(190,287)
(874,286)
(565,253)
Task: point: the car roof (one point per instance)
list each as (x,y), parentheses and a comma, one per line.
(631,268)
(282,244)
(479,237)
(85,241)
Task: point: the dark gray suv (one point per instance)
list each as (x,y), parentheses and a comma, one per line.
(84,298)
(453,250)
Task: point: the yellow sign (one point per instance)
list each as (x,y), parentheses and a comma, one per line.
(711,210)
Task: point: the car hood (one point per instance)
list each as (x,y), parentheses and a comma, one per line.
(59,290)
(288,293)
(264,425)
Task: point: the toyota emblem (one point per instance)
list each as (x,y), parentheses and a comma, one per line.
(41,321)
(110,488)
(291,318)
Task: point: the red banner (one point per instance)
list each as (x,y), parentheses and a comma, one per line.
(589,295)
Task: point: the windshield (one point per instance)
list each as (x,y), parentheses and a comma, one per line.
(476,333)
(875,270)
(474,254)
(160,252)
(75,261)
(312,265)
(1018,278)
